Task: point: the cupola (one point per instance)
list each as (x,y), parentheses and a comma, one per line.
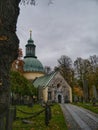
(31,63)
(30,47)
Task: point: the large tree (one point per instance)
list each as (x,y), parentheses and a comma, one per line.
(81,69)
(65,67)
(9,43)
(86,71)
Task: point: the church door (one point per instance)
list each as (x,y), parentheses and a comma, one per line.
(59,99)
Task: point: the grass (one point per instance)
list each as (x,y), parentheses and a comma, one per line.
(88,106)
(57,121)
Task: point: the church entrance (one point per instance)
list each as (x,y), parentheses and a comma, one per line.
(59,99)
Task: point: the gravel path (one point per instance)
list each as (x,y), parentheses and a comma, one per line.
(79,118)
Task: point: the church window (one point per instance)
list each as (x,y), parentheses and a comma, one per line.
(49,95)
(58,85)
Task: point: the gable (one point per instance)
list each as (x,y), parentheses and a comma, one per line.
(58,79)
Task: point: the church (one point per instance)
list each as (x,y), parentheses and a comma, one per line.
(51,87)
(32,67)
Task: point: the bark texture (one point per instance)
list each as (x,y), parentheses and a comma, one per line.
(9,43)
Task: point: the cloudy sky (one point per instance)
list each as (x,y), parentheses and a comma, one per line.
(67,27)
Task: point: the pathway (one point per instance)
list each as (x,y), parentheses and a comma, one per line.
(79,118)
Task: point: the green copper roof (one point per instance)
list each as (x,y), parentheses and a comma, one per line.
(43,81)
(30,41)
(33,64)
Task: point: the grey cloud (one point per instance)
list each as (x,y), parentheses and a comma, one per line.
(67,27)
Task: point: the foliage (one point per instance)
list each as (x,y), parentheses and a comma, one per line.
(18,63)
(77,91)
(82,67)
(32,2)
(20,84)
(86,73)
(38,123)
(65,67)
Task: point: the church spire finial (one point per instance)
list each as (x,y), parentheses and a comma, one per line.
(30,34)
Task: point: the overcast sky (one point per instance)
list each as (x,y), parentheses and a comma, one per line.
(67,27)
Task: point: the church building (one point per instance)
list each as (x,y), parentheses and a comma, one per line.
(51,87)
(32,67)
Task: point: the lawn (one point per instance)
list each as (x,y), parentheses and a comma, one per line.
(88,106)
(57,121)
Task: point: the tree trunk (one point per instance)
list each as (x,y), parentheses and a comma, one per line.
(9,43)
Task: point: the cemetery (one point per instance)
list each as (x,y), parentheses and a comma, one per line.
(38,97)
